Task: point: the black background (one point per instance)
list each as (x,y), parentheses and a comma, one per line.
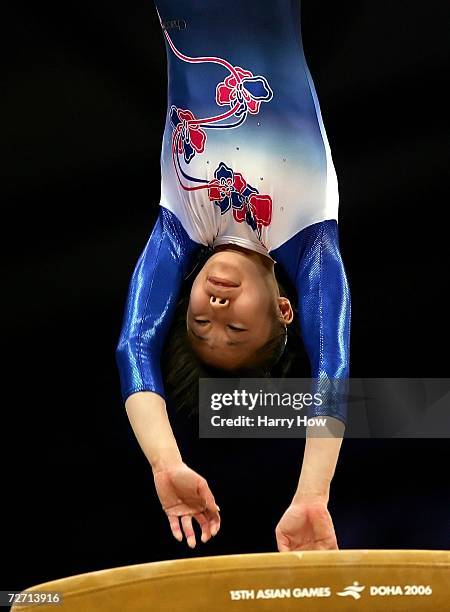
(83,112)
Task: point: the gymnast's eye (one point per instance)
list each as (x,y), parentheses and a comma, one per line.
(237,329)
(201,321)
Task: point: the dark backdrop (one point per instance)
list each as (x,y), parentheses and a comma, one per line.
(83,112)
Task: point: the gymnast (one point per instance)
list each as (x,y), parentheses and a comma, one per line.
(247,177)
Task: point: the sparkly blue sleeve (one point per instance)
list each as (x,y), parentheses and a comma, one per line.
(152,296)
(313,262)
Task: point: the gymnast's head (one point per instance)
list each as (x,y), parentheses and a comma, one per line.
(233,319)
(236,317)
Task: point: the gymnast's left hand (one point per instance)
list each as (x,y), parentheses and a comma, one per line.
(306,525)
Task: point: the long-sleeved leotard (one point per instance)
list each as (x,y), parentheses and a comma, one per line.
(245,159)
(151,301)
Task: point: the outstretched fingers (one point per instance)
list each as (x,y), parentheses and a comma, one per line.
(208,527)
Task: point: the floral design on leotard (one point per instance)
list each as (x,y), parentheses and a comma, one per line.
(231,190)
(243,92)
(192,138)
(249,92)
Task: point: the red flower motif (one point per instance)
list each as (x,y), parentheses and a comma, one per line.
(256,211)
(229,189)
(197,136)
(249,91)
(193,138)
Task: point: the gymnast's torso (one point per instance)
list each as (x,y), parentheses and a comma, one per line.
(245,157)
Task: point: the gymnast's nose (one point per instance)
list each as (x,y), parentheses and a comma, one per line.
(218,302)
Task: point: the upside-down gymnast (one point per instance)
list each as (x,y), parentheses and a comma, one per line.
(246,172)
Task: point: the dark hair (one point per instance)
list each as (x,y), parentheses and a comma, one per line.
(182,369)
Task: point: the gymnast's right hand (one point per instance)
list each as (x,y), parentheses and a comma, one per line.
(185,495)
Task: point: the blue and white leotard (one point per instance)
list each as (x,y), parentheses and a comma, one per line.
(245,159)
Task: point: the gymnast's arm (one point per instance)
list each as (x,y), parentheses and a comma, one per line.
(152,296)
(313,262)
(151,301)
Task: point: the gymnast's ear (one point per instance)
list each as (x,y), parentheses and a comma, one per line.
(285,310)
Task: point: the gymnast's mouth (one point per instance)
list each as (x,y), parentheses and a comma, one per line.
(221,282)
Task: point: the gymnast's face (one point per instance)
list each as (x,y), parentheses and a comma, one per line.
(233,305)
